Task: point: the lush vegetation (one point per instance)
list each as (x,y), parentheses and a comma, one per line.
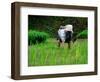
(50,54)
(83,34)
(36,37)
(51,24)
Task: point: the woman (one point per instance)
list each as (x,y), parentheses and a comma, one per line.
(61,35)
(68,34)
(65,34)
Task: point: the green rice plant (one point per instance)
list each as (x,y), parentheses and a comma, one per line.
(49,53)
(83,34)
(36,37)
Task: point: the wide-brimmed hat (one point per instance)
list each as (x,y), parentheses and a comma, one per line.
(68,26)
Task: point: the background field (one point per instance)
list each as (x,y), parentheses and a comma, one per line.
(49,53)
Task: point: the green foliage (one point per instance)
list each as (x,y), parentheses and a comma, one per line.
(83,34)
(49,53)
(51,24)
(36,37)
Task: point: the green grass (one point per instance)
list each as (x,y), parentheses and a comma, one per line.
(49,53)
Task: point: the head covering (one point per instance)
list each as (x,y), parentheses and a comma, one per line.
(69,27)
(62,27)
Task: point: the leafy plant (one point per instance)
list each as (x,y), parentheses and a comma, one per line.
(83,34)
(36,37)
